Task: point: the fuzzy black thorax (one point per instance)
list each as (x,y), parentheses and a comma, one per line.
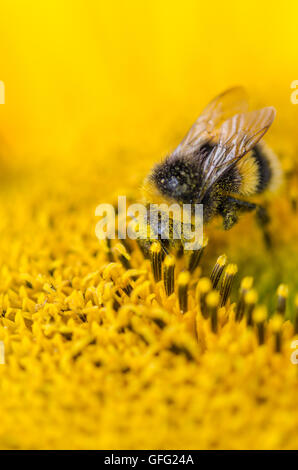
(180,178)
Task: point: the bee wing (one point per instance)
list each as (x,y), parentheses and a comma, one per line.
(237,136)
(205,128)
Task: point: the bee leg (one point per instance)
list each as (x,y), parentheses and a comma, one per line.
(229,209)
(233,205)
(263,220)
(229,219)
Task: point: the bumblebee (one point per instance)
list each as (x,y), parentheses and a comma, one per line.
(220,162)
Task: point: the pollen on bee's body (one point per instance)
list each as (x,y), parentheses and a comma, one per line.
(183,283)
(218,270)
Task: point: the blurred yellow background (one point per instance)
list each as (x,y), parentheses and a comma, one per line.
(81,76)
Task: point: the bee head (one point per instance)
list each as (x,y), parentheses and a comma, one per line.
(177,178)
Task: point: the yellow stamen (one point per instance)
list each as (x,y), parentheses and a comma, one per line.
(250,299)
(282,295)
(296,315)
(183,282)
(123,256)
(246,285)
(156,260)
(203,287)
(259,318)
(196,256)
(226,284)
(212,302)
(168,274)
(276,325)
(217,270)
